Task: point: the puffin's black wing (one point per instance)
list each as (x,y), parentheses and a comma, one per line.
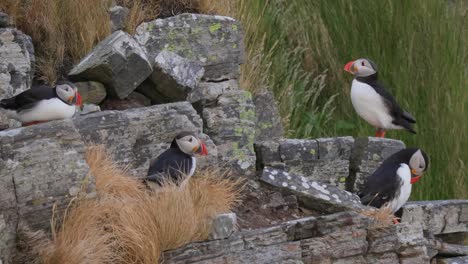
(28,98)
(171,163)
(400,117)
(381,187)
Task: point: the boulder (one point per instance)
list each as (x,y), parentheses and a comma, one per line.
(91,92)
(4,20)
(323,159)
(174,78)
(208,92)
(269,125)
(133,100)
(438,217)
(230,122)
(118,62)
(367,155)
(89,108)
(312,194)
(118,16)
(215,42)
(16,62)
(223,226)
(457,260)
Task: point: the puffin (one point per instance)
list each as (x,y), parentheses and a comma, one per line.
(390,185)
(373,102)
(43,103)
(178,163)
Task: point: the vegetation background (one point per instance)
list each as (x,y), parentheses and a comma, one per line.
(298,50)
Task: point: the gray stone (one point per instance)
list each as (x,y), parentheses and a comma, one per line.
(16,62)
(4,121)
(133,100)
(208,92)
(269,125)
(323,159)
(89,108)
(438,217)
(223,226)
(91,92)
(368,154)
(312,194)
(230,122)
(40,181)
(216,42)
(4,20)
(458,260)
(118,62)
(174,77)
(118,16)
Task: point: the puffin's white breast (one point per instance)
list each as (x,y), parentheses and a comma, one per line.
(46,110)
(193,167)
(404,173)
(370,106)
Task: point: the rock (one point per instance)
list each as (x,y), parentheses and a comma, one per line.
(323,159)
(90,108)
(230,122)
(208,92)
(118,62)
(223,226)
(4,121)
(269,125)
(118,16)
(215,42)
(134,100)
(368,154)
(312,194)
(438,217)
(174,77)
(91,92)
(4,20)
(16,62)
(457,260)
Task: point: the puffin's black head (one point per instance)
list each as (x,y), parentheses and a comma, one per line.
(68,92)
(415,158)
(361,67)
(190,144)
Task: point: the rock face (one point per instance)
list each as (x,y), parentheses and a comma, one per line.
(208,92)
(230,122)
(368,154)
(174,78)
(324,159)
(223,226)
(118,16)
(459,260)
(133,100)
(4,20)
(31,182)
(337,238)
(118,62)
(16,62)
(213,41)
(269,125)
(312,194)
(91,92)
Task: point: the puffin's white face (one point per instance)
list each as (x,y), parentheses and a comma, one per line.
(361,67)
(66,93)
(417,163)
(191,145)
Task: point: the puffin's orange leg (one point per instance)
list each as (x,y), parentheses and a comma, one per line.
(33,123)
(380,133)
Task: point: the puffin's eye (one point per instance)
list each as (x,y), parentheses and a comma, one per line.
(190,140)
(362,63)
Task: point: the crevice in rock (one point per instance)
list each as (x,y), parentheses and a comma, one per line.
(357,153)
(217,81)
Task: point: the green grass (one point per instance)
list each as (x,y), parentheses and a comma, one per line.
(298,49)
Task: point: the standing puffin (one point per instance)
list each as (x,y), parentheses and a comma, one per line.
(372,102)
(390,184)
(42,103)
(178,163)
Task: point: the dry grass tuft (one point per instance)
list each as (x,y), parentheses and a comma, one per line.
(128,224)
(382,216)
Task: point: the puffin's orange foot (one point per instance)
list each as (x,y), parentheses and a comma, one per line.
(380,133)
(33,123)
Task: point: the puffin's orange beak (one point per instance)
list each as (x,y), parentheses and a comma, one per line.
(201,149)
(349,67)
(79,102)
